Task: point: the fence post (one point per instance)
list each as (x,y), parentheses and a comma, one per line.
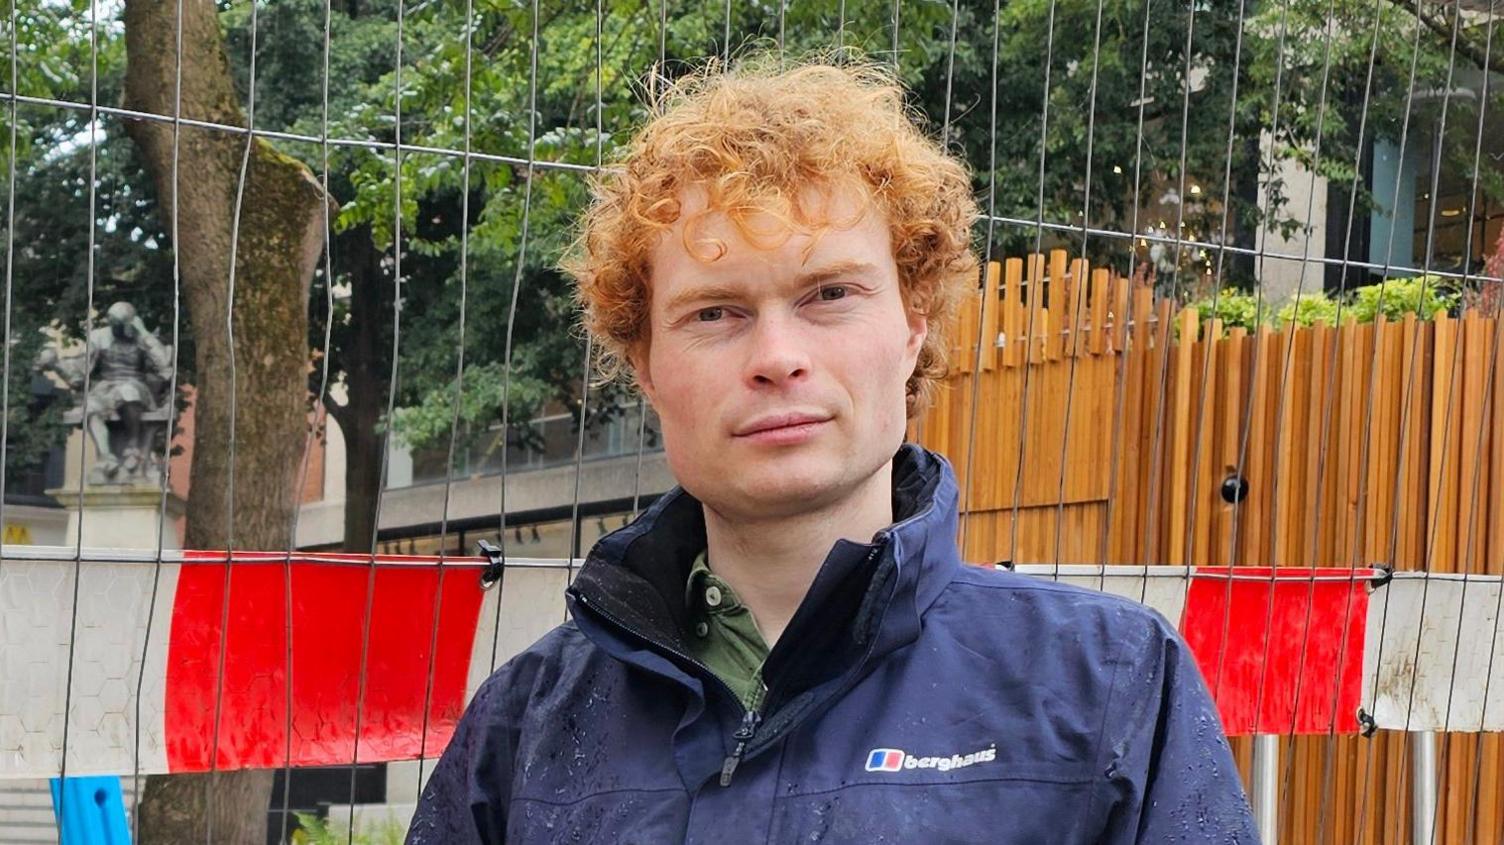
(1266,786)
(1423,787)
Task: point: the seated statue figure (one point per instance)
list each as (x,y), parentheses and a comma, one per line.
(128,370)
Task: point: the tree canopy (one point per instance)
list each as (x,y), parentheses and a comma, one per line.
(1154,116)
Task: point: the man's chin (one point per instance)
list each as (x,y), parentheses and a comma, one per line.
(773,489)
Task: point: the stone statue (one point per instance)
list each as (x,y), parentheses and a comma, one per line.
(125,411)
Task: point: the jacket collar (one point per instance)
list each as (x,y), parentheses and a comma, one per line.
(865,601)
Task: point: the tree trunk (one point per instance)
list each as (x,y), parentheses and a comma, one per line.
(367,369)
(280,240)
(363,448)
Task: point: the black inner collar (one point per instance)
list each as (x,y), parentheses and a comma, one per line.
(643,587)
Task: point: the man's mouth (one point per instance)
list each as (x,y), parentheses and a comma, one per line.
(777,422)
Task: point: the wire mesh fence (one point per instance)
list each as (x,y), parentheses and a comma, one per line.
(282,289)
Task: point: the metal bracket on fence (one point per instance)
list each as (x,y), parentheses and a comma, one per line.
(1003,564)
(1366,725)
(1386,574)
(491,575)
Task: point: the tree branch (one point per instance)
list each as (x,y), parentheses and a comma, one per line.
(1473,51)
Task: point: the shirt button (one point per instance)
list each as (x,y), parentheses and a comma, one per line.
(701,629)
(713,596)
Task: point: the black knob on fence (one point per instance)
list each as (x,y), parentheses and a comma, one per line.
(1234,489)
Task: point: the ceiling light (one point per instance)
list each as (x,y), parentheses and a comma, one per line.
(1451,212)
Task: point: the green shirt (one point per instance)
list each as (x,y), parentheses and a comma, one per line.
(724,635)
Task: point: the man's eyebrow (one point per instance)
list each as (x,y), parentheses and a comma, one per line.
(697,294)
(819,275)
(832,271)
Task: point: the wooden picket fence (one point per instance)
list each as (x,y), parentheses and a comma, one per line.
(1090,422)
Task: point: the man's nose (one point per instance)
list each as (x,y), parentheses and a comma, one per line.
(779,351)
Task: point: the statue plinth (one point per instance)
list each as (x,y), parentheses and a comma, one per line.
(122,516)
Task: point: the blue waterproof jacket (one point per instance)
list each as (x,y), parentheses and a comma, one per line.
(910,699)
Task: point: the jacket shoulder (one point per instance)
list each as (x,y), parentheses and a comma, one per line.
(534,670)
(1052,604)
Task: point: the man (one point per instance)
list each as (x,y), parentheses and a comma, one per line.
(787,647)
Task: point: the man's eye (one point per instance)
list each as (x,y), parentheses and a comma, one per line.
(709,315)
(832,293)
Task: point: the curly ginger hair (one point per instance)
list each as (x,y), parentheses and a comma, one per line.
(753,138)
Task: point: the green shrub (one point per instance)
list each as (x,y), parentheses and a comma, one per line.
(1311,308)
(313,830)
(1233,308)
(1422,295)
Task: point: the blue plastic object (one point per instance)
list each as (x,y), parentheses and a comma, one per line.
(89,811)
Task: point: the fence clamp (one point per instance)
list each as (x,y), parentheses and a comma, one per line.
(491,575)
(1366,724)
(1386,574)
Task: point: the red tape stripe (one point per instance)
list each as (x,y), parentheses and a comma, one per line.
(328,607)
(1281,655)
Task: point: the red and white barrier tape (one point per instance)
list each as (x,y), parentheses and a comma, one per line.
(1284,650)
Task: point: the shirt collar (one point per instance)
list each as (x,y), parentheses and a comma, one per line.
(637,575)
(701,578)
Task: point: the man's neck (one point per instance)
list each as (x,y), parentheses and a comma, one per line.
(771,564)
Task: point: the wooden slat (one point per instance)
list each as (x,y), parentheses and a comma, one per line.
(1313,494)
(1034,325)
(1229,422)
(1121,314)
(1345,515)
(1379,419)
(1252,446)
(1029,299)
(1490,816)
(1076,319)
(1155,443)
(990,321)
(1495,507)
(1411,465)
(966,336)
(1179,430)
(1012,316)
(1204,502)
(1101,284)
(1470,434)
(1056,318)
(1440,524)
(1283,481)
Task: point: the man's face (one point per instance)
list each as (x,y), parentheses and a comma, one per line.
(813,328)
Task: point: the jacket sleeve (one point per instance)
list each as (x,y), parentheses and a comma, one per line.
(466,797)
(1170,772)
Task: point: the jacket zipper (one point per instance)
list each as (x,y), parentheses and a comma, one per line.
(769,739)
(743,735)
(752,720)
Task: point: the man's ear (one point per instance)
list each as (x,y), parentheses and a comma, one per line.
(639,363)
(919,330)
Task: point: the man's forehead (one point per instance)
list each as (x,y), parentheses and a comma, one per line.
(758,229)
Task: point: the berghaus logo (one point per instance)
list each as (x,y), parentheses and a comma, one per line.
(897,760)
